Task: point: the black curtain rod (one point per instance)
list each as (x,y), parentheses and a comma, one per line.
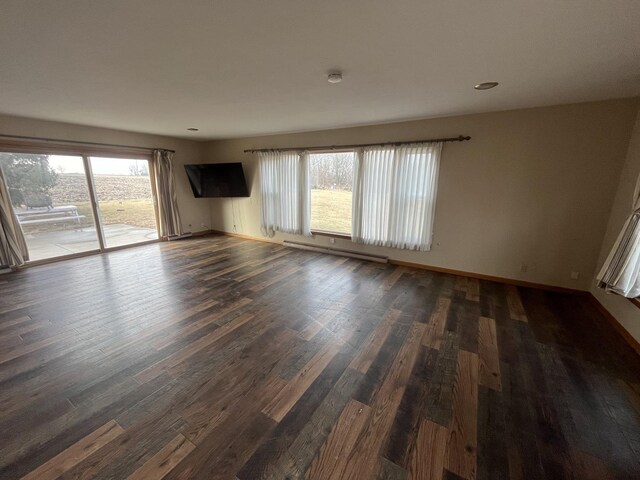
(460,138)
(76,142)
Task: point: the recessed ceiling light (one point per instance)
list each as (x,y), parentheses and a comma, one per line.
(486,85)
(334,77)
(193,129)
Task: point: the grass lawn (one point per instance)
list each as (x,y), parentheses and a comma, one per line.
(138,212)
(331,210)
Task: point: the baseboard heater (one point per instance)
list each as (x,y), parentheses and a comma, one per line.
(335,251)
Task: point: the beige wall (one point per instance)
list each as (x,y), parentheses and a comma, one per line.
(532,187)
(194,212)
(625,312)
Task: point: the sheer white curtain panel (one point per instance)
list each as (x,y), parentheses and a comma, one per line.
(394,195)
(285,193)
(621,271)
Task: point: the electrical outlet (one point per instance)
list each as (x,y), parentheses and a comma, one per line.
(524,267)
(332,240)
(575,275)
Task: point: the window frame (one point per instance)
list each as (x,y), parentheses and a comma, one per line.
(329,233)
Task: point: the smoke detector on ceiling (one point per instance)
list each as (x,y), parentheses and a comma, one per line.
(486,85)
(335,77)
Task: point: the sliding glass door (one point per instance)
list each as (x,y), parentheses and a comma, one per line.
(70,204)
(50,197)
(125,200)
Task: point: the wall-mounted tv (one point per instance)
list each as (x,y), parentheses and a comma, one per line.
(217,180)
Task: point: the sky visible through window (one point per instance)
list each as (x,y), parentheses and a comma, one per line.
(115,166)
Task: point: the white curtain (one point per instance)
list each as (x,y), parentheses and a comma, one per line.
(170,224)
(621,271)
(394,195)
(285,193)
(13,246)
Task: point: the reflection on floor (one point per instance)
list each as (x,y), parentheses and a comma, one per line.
(66,242)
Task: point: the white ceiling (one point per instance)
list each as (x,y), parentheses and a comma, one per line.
(245,67)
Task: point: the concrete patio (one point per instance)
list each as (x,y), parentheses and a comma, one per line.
(66,242)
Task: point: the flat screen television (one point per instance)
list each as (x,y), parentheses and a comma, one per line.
(212,180)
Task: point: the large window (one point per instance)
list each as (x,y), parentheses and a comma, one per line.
(69,204)
(331,191)
(384,195)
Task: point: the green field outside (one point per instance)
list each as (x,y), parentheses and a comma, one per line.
(137,212)
(331,210)
(123,200)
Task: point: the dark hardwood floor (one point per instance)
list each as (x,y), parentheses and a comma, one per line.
(223,358)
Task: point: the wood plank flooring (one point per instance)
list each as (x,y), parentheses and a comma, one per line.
(222,358)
